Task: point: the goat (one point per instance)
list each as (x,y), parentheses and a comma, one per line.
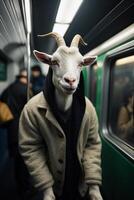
(66,64)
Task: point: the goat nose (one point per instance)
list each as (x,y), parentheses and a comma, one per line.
(70,80)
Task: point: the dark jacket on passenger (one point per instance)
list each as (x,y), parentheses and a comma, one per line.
(15,96)
(37,84)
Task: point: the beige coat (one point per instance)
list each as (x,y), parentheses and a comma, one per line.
(43,143)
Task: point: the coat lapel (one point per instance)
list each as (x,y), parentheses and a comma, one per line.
(42,104)
(53,120)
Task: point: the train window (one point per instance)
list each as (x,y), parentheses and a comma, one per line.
(121,107)
(93,83)
(3,70)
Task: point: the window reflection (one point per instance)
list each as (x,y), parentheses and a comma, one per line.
(125,123)
(121,111)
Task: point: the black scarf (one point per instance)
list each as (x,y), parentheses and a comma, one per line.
(71,129)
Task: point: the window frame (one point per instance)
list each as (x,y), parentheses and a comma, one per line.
(93,100)
(5,62)
(117,53)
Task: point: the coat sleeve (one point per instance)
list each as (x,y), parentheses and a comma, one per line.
(92,152)
(33,150)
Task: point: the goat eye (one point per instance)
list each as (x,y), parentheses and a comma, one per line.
(55,62)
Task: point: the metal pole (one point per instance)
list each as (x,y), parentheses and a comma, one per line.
(28,65)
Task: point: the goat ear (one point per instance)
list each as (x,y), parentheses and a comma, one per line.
(42,57)
(89,60)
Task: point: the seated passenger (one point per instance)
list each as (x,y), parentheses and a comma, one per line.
(125,123)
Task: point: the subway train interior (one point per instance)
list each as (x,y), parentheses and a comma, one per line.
(108,29)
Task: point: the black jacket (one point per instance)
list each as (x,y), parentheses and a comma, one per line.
(15,96)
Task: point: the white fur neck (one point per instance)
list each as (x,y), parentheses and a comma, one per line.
(64,101)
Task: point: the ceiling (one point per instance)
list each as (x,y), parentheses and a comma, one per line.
(96,21)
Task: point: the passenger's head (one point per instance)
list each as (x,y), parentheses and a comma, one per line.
(36,71)
(22,77)
(23,72)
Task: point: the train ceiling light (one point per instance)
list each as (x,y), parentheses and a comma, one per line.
(66,12)
(28,15)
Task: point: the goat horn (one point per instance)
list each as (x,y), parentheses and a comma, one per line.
(59,39)
(77,38)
